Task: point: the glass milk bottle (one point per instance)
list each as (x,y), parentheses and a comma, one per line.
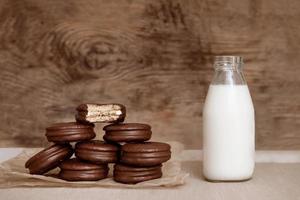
(228,124)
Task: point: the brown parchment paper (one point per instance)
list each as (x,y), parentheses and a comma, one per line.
(14,174)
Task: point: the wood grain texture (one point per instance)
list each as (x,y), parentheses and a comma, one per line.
(153,56)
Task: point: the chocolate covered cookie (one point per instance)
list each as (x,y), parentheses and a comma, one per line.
(108,113)
(76,170)
(48,158)
(97,151)
(131,175)
(127,132)
(70,132)
(145,154)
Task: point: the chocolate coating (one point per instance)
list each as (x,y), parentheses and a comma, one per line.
(131,175)
(127,126)
(76,170)
(108,113)
(145,154)
(127,132)
(70,132)
(48,158)
(97,151)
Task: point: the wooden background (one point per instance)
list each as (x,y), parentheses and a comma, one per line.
(153,56)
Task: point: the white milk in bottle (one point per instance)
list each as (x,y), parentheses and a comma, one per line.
(228,124)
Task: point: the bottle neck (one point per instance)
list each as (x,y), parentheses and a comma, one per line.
(225,66)
(228,73)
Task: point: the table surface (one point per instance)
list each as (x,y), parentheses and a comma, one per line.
(270,181)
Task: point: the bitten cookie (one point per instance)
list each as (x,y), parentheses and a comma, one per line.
(97,151)
(127,132)
(48,158)
(131,175)
(70,132)
(145,154)
(108,113)
(75,170)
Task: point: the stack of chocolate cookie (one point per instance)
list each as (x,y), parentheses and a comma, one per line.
(139,160)
(124,144)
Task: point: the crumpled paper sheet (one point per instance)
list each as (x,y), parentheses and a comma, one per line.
(14,174)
